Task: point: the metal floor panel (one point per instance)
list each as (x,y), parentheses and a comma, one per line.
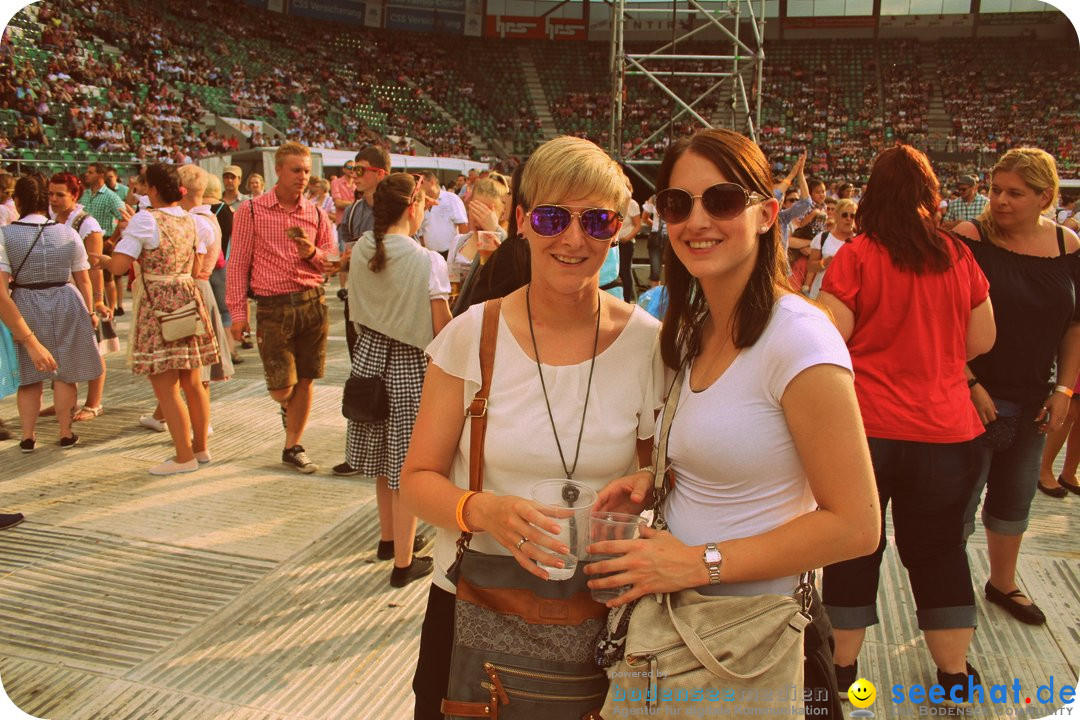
(246,591)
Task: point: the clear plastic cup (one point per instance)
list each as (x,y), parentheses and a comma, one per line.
(605,525)
(569,503)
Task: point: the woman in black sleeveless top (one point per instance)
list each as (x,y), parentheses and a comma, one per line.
(1032,265)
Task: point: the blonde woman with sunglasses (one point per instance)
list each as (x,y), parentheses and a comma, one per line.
(577,378)
(399,294)
(825,246)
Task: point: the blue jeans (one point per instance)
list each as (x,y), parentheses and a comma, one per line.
(929,485)
(217,284)
(1009,475)
(657,240)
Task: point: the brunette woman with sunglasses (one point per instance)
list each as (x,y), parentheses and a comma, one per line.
(577,378)
(398,292)
(772,473)
(909,360)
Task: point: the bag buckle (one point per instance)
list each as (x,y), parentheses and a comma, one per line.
(474,411)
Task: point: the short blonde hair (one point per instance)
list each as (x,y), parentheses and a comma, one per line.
(569,167)
(1038,171)
(253,176)
(194,178)
(846,204)
(289,149)
(213,188)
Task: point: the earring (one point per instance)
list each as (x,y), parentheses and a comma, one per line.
(763,230)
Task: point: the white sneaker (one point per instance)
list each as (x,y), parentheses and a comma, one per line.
(171,467)
(151,422)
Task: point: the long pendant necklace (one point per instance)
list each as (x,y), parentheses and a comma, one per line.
(536,354)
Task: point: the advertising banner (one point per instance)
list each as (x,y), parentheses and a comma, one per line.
(402,17)
(515,26)
(350,11)
(567,29)
(535,28)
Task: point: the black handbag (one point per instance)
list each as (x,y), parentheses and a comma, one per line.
(365,399)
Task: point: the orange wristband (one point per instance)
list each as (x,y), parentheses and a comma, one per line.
(1064,390)
(459,512)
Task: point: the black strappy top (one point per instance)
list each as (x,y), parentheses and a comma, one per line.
(1034,302)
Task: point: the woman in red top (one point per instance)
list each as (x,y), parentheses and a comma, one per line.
(913,306)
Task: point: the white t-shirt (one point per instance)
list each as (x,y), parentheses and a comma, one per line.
(830,247)
(89,224)
(650,207)
(79,259)
(737,471)
(142,233)
(632,211)
(440,226)
(519,449)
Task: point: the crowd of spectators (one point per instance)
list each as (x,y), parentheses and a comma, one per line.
(146,79)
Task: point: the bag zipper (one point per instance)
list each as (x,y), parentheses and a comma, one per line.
(542,696)
(536,675)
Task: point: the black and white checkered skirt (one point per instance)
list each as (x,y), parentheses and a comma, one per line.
(378,449)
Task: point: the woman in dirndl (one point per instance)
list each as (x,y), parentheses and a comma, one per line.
(194,180)
(165,243)
(400,291)
(64,191)
(46,265)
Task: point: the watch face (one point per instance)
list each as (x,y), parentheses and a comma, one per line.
(712,555)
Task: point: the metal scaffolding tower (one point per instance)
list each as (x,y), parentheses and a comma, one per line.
(735,77)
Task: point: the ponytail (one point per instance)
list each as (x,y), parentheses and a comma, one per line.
(392,199)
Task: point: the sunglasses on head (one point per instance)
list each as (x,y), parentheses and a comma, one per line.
(350,168)
(598,223)
(722,201)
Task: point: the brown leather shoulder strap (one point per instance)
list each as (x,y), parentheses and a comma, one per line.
(477,412)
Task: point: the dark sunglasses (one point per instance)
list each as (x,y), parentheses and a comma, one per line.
(847,215)
(598,223)
(723,201)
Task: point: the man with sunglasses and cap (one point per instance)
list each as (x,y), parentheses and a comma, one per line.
(969,205)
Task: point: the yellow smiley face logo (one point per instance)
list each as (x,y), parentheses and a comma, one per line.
(862,693)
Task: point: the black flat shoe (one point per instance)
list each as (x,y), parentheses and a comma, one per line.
(420,567)
(10,520)
(27,445)
(1030,614)
(421,541)
(69,442)
(1054,492)
(1074,489)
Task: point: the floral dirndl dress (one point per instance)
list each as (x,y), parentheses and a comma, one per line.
(165,284)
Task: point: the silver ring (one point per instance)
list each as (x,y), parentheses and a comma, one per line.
(521,542)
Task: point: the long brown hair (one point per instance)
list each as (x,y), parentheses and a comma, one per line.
(393,195)
(897,211)
(742,162)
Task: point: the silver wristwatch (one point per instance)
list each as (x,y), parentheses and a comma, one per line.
(713,560)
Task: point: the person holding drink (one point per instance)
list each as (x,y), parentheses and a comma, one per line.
(576,381)
(772,476)
(279,253)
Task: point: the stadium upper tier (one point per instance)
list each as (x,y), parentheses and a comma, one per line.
(130,81)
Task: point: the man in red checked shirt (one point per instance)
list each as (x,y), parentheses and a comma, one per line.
(278,253)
